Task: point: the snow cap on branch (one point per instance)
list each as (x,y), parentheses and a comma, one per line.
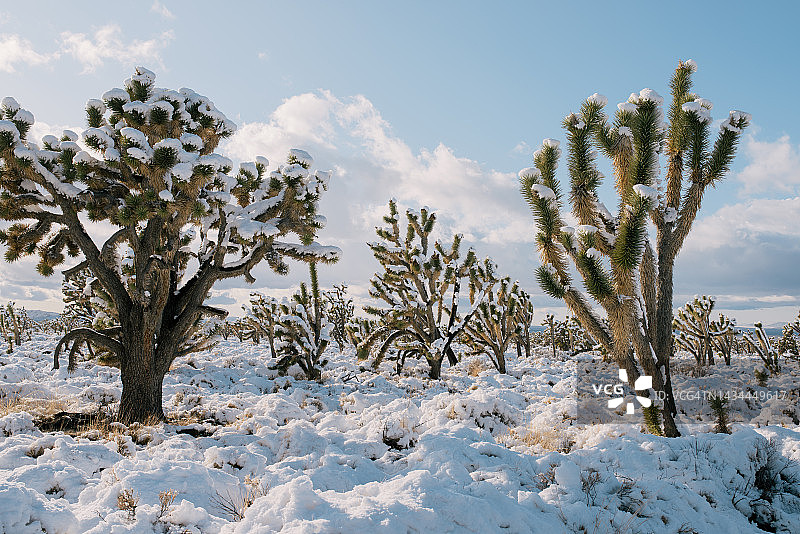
(645,191)
(598,99)
(530,171)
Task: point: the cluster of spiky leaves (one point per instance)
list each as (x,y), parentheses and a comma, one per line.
(496,302)
(85,302)
(418,276)
(612,253)
(758,341)
(359,329)
(151,171)
(340,310)
(303,331)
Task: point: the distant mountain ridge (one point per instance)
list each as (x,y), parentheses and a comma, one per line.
(41,315)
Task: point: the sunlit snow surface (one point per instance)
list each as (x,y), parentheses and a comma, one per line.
(366,452)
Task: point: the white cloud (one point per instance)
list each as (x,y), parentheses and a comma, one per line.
(15,50)
(162,10)
(106,44)
(523,148)
(774,167)
(744,224)
(351,134)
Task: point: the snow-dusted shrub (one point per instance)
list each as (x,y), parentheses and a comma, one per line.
(622,272)
(182,217)
(417,279)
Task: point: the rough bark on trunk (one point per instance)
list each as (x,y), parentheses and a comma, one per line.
(435,371)
(141,386)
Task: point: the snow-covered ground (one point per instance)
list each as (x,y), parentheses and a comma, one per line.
(365,452)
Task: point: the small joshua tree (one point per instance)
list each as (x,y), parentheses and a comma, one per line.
(417,278)
(759,342)
(303,331)
(723,336)
(151,172)
(719,405)
(550,323)
(494,323)
(628,277)
(262,317)
(340,312)
(522,336)
(693,329)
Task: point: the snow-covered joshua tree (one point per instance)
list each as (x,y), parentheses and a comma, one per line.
(628,277)
(181,220)
(418,275)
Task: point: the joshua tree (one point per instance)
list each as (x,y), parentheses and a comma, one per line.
(14,322)
(303,330)
(494,323)
(522,337)
(550,323)
(150,172)
(759,342)
(723,336)
(340,312)
(787,344)
(693,329)
(262,316)
(417,277)
(628,277)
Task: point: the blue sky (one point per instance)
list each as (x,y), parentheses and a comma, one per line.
(440,104)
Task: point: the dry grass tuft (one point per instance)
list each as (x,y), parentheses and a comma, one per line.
(128,500)
(36,407)
(236,503)
(476,367)
(548,439)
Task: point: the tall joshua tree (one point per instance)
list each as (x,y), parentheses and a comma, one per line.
(622,271)
(151,173)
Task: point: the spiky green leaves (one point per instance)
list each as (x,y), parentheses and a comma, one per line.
(548,280)
(721,156)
